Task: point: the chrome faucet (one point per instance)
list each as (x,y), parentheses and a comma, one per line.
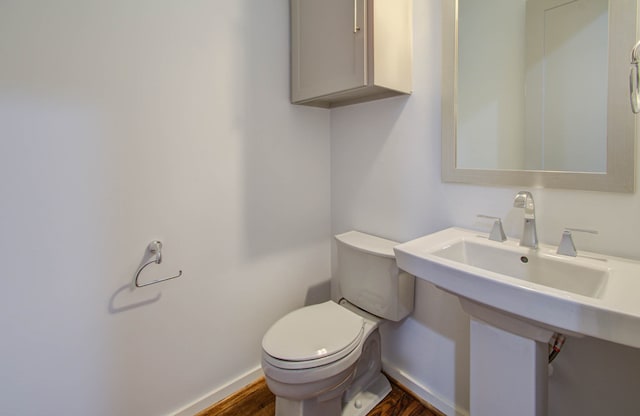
(529,235)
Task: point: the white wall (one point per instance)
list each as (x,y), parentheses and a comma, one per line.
(127,121)
(385,164)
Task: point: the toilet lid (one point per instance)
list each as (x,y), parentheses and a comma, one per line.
(314,332)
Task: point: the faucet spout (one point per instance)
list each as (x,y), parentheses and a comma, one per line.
(529,235)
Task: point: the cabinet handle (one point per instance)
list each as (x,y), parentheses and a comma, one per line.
(356,28)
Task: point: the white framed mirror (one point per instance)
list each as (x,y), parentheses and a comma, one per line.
(536,93)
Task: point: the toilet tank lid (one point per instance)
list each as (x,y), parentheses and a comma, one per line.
(368,243)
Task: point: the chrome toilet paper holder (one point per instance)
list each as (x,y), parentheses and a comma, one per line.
(155,247)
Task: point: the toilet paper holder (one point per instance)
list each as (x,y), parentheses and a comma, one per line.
(155,247)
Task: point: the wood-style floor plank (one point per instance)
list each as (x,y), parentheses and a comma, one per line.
(257,400)
(402,403)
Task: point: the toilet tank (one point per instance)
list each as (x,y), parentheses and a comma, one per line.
(369,277)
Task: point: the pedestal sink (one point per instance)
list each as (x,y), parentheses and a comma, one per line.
(517,298)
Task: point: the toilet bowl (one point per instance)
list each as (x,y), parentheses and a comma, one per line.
(327,364)
(324,360)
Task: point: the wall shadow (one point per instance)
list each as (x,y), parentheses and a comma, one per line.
(318,293)
(119,303)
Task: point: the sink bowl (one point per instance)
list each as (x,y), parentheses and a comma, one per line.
(591,294)
(506,259)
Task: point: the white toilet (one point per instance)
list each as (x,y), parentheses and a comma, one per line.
(324,360)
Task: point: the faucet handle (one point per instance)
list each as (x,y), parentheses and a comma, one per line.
(497,232)
(566,246)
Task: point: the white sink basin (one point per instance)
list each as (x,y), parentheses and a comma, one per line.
(506,259)
(591,294)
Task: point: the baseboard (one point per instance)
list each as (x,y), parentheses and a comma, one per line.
(424,393)
(220,393)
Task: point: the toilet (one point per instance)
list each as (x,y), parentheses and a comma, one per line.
(324,359)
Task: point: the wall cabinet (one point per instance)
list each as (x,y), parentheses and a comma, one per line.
(349,51)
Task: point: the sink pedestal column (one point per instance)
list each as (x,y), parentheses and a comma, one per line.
(508,373)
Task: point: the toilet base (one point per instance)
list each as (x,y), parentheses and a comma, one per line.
(286,407)
(359,405)
(368,398)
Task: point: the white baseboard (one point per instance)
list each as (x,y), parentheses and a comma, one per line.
(220,393)
(424,393)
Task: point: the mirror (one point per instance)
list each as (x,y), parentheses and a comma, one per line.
(536,93)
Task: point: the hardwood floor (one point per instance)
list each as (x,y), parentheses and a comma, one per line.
(254,400)
(402,403)
(257,400)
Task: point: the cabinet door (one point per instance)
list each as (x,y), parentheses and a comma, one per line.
(328,47)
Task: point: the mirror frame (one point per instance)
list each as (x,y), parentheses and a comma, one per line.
(621,123)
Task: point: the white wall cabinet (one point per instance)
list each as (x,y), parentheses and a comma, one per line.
(349,51)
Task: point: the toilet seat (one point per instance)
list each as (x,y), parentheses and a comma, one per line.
(312,336)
